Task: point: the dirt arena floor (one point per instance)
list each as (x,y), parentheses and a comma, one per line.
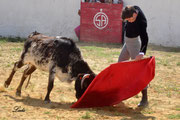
(164,90)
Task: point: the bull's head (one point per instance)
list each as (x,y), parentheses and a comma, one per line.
(82,82)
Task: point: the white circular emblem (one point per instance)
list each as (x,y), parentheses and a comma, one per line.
(100,20)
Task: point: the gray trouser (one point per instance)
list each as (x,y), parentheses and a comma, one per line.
(130,49)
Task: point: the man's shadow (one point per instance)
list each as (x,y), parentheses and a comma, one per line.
(124,111)
(118,110)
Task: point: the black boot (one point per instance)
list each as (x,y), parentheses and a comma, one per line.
(144,100)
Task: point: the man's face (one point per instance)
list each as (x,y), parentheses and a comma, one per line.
(132,19)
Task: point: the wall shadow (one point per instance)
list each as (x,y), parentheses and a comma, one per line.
(118,45)
(162,48)
(98,44)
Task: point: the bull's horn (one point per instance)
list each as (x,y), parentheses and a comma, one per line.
(84,77)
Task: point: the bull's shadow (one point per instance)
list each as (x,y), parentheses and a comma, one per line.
(35,102)
(120,110)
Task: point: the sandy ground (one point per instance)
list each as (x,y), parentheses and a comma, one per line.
(164,96)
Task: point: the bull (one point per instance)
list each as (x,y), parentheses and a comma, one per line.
(57,55)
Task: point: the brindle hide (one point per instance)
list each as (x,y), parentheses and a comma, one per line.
(57,55)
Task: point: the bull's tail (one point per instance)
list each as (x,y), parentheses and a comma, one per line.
(28,81)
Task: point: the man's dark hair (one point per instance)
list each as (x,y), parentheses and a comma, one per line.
(128,12)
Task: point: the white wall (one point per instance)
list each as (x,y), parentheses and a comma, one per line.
(51,17)
(59,17)
(163,20)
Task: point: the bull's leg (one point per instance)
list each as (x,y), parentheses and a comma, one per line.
(52,73)
(144,100)
(17,65)
(27,72)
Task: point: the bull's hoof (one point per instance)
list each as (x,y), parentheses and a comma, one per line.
(143,104)
(6,85)
(18,93)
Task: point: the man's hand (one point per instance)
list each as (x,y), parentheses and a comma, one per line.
(140,56)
